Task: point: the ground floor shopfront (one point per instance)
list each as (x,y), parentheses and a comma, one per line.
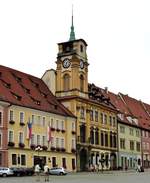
(28,158)
(91,159)
(128,160)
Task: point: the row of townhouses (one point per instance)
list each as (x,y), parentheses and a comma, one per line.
(63,120)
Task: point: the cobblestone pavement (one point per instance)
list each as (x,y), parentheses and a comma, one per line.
(106,177)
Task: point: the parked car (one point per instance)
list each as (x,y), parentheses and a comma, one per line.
(4,171)
(57,171)
(29,171)
(18,171)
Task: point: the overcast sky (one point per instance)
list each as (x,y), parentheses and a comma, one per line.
(117,33)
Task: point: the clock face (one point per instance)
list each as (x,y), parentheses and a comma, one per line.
(66,63)
(81,64)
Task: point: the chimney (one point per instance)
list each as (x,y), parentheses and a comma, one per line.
(106,90)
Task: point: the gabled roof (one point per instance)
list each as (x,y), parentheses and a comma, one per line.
(133,111)
(25,90)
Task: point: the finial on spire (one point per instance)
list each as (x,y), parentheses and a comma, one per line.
(72,33)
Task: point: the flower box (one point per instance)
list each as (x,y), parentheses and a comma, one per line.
(44,148)
(73,132)
(52,129)
(58,130)
(58,149)
(63,149)
(53,148)
(73,150)
(11,122)
(63,131)
(33,146)
(22,124)
(11,144)
(21,145)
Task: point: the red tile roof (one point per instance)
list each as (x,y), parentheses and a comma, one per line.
(23,89)
(129,107)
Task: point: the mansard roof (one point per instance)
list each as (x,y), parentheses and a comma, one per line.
(25,90)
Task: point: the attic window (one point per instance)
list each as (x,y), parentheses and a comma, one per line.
(18,79)
(44,95)
(37,102)
(27,90)
(16,96)
(0,74)
(7,85)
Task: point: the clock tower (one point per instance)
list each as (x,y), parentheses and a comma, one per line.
(72,67)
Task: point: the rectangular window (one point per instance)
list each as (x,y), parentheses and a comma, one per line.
(122,143)
(62,143)
(131,131)
(138,148)
(82,113)
(73,126)
(43,121)
(105,119)
(137,133)
(21,117)
(23,159)
(62,125)
(57,124)
(11,136)
(33,119)
(57,142)
(11,115)
(96,116)
(43,140)
(114,121)
(52,123)
(110,120)
(20,137)
(0,140)
(102,118)
(0,118)
(122,129)
(14,159)
(39,120)
(131,145)
(91,115)
(38,140)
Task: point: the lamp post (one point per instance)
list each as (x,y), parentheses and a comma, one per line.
(38,149)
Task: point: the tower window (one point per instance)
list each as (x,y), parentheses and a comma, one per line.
(66,82)
(81,83)
(81,48)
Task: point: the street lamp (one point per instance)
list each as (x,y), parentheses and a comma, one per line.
(38,149)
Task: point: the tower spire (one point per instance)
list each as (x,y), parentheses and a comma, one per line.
(72,33)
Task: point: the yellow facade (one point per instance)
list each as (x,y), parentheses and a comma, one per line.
(62,127)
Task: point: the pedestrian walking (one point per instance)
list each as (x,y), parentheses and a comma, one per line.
(46,173)
(37,172)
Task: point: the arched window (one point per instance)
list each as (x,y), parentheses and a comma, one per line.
(81,83)
(66,82)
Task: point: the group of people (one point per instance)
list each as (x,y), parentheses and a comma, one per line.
(38,171)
